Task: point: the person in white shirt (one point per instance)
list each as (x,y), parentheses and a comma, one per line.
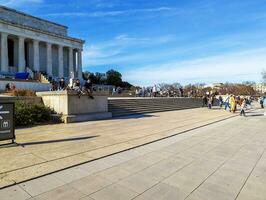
(71,81)
(154,90)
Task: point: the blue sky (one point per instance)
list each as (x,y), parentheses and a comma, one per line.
(168,41)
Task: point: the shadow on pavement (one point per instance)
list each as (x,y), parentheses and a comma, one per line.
(55,141)
(255,115)
(133,116)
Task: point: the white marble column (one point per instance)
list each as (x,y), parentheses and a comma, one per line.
(79,68)
(70,60)
(21,54)
(49,59)
(4,52)
(36,56)
(60,61)
(75,62)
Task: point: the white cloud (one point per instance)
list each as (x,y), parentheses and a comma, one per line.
(18,3)
(236,67)
(107,52)
(110,13)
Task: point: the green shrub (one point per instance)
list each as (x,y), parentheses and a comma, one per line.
(23,93)
(30,114)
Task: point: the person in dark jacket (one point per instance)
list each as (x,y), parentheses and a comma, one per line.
(204,101)
(88,88)
(62,84)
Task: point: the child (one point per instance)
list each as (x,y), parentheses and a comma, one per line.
(243,105)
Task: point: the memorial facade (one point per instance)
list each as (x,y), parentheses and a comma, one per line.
(31,43)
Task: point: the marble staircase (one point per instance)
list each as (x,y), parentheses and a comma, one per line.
(130,106)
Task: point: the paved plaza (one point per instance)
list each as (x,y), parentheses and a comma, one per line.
(224,160)
(46,149)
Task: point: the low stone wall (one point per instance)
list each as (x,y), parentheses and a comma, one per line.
(74,108)
(26,85)
(33,100)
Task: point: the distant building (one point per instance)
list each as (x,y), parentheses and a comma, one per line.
(28,42)
(260,88)
(216,86)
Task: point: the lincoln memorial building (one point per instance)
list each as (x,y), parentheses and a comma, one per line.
(32,44)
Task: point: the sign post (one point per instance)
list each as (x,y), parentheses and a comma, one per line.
(7,130)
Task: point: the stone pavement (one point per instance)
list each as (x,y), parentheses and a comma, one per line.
(224,160)
(46,149)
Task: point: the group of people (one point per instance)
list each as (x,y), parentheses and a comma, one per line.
(230,102)
(156,91)
(74,85)
(208,100)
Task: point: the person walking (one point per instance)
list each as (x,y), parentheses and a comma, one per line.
(226,103)
(233,103)
(242,107)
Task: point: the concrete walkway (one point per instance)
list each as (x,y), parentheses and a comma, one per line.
(225,160)
(46,149)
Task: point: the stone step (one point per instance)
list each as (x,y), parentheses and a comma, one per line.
(113,109)
(123,107)
(118,114)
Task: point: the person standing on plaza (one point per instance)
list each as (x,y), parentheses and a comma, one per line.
(204,101)
(264,104)
(210,100)
(181,92)
(261,99)
(154,91)
(220,101)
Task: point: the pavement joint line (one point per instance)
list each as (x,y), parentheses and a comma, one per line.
(143,129)
(147,166)
(172,135)
(25,191)
(223,163)
(250,173)
(159,162)
(163,138)
(195,160)
(164,179)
